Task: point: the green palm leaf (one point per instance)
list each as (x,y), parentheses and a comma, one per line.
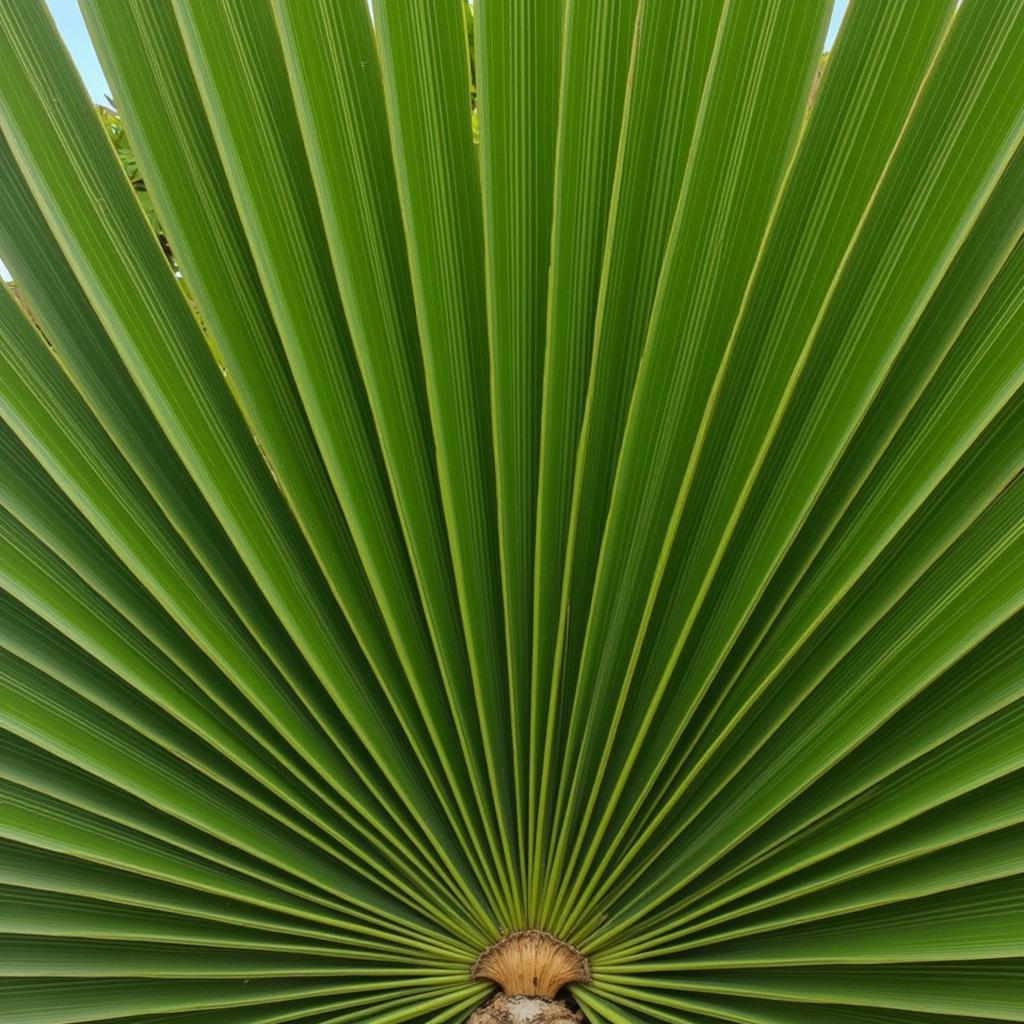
(557,520)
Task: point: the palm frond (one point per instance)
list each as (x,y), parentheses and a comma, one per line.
(556,519)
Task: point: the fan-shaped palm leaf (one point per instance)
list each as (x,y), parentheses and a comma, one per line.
(588,555)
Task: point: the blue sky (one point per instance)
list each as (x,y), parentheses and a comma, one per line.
(833,26)
(69,20)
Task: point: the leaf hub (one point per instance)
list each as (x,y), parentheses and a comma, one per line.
(532,963)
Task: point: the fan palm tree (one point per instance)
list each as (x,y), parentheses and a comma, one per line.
(571,573)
